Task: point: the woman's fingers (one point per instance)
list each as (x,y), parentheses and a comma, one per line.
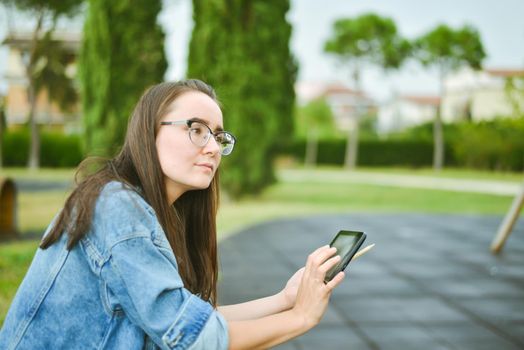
(335,281)
(329,264)
(319,256)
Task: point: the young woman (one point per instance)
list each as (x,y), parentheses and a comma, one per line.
(131,260)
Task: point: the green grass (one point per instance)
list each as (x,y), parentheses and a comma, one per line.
(454,173)
(14,262)
(451,173)
(304,198)
(285,199)
(44,174)
(36,209)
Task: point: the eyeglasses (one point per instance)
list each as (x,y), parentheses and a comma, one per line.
(200,133)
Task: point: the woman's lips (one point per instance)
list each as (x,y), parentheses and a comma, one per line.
(206,165)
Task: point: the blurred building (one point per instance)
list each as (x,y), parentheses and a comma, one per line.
(469,95)
(479,95)
(345,103)
(404,111)
(17,104)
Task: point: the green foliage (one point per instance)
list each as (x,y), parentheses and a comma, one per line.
(365,40)
(450,49)
(55,7)
(49,71)
(316,118)
(242,49)
(57,150)
(3,123)
(514,88)
(368,38)
(424,132)
(44,68)
(60,151)
(368,126)
(411,153)
(490,145)
(447,50)
(494,145)
(122,54)
(16,147)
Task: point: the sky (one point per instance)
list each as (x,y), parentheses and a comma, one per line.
(500,23)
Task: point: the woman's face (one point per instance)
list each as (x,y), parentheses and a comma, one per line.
(185,165)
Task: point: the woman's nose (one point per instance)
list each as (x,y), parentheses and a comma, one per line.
(212,146)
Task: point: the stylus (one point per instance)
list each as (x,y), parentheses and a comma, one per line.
(363,251)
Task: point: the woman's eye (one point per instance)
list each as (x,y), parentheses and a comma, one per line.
(223,139)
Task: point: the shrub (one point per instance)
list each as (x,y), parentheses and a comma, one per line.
(493,145)
(57,150)
(412,153)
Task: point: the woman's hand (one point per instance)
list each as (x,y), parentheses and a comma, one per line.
(313,294)
(289,293)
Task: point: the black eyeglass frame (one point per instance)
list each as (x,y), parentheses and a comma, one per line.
(189,122)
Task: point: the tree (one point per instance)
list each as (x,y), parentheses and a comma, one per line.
(39,58)
(2,129)
(514,89)
(359,42)
(447,50)
(122,54)
(241,47)
(314,120)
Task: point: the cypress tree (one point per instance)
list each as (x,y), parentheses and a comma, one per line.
(122,54)
(242,48)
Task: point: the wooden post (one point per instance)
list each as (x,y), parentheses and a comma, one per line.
(508,223)
(7,208)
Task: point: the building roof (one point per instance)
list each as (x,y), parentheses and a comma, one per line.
(22,40)
(307,91)
(422,99)
(505,73)
(338,88)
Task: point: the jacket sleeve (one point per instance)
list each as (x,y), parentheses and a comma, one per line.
(146,283)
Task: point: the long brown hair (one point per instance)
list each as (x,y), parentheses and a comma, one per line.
(189,224)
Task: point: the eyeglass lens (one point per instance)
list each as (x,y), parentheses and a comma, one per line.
(200,133)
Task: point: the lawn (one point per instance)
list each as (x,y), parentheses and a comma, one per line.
(292,197)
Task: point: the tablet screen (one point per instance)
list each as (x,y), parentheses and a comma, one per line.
(347,244)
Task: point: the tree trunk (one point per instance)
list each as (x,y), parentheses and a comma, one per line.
(350,161)
(311,149)
(2,128)
(438,134)
(351,158)
(34,151)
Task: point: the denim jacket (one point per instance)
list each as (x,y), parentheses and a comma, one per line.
(118,288)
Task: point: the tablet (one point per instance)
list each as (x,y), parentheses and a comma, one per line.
(347,244)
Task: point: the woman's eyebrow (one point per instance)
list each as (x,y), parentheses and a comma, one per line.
(203,121)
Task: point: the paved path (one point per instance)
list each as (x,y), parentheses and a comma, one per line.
(505,188)
(430,282)
(24,185)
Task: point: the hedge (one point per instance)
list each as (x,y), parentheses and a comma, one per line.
(494,145)
(56,149)
(491,145)
(373,152)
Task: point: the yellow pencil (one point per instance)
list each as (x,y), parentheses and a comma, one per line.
(363,251)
